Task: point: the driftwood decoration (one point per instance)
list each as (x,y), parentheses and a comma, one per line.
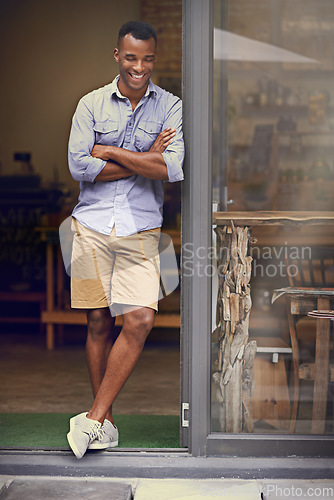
(234,377)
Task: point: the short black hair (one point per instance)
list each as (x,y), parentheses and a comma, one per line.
(138,29)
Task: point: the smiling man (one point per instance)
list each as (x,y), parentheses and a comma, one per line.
(125,142)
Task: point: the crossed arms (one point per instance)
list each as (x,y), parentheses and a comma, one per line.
(122,163)
(91,162)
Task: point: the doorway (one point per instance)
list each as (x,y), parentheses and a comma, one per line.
(36,381)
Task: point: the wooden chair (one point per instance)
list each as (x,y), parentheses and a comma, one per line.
(312,288)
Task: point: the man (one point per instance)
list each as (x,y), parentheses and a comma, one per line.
(125,142)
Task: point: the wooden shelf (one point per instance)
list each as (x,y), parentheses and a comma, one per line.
(75,317)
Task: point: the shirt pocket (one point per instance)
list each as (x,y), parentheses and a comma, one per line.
(146,134)
(106,133)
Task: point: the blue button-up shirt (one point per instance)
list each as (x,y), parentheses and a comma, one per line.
(105,117)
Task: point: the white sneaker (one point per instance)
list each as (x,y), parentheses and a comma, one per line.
(109,437)
(83,431)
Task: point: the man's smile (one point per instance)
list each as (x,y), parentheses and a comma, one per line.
(137,77)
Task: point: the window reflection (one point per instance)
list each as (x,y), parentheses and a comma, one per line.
(273,128)
(274,72)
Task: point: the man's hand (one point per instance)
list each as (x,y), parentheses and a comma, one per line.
(101,152)
(163,140)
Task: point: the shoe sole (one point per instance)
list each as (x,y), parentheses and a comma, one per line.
(103,446)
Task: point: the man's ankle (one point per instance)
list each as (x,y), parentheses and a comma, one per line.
(93,417)
(110,418)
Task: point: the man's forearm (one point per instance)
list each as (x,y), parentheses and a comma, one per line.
(150,164)
(112,172)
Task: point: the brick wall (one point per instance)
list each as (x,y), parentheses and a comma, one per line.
(166,17)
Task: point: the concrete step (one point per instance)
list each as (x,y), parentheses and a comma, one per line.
(171,489)
(69,489)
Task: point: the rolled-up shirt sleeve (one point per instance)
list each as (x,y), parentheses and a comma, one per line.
(82,165)
(174,153)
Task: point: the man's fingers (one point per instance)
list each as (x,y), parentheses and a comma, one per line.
(167,137)
(167,143)
(167,131)
(163,140)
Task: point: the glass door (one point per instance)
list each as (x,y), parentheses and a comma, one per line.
(258,122)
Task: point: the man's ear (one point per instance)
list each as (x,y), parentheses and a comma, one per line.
(116,55)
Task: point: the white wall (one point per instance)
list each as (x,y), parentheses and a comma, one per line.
(52,53)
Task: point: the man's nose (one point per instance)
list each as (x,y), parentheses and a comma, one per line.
(138,66)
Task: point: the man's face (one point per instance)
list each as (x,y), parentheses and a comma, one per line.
(136,59)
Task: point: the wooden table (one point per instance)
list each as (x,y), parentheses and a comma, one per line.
(234,303)
(273,218)
(302,301)
(321,376)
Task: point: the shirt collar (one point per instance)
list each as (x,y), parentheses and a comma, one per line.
(151,89)
(115,90)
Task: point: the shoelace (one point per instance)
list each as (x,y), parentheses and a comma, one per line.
(95,431)
(100,433)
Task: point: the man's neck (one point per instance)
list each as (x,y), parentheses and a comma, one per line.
(134,96)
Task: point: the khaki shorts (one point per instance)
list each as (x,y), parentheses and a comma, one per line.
(107,271)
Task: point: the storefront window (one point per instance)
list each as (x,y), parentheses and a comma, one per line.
(273,150)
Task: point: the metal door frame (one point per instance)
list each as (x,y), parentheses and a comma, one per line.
(198,23)
(196,218)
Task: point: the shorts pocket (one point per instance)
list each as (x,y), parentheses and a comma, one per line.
(149,243)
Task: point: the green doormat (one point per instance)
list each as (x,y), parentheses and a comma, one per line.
(48,430)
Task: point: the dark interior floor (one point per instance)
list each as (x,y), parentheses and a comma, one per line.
(36,380)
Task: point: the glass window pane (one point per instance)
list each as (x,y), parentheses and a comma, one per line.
(274,113)
(273,149)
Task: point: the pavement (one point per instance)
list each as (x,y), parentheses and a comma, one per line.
(54,487)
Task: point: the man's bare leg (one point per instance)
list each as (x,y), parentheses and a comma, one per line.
(122,358)
(99,342)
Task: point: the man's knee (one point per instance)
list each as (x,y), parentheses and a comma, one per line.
(139,322)
(99,322)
